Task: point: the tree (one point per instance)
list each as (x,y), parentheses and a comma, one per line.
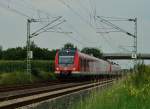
(68,45)
(17,53)
(1,52)
(33,45)
(42,53)
(92,51)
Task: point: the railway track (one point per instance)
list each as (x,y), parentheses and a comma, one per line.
(28,86)
(40,84)
(22,97)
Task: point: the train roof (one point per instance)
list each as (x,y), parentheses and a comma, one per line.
(87,56)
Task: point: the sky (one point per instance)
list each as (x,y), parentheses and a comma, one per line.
(78,15)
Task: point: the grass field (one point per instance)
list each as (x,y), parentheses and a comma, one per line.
(14,72)
(20,66)
(15,78)
(133,92)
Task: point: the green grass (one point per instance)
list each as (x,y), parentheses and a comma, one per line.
(133,92)
(20,66)
(18,78)
(14,72)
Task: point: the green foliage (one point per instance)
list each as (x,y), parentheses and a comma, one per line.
(141,77)
(24,78)
(47,76)
(14,54)
(40,65)
(92,51)
(20,53)
(13,66)
(68,45)
(130,93)
(15,78)
(1,52)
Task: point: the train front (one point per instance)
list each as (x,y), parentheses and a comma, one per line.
(66,61)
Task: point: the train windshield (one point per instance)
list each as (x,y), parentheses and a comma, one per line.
(66,59)
(66,56)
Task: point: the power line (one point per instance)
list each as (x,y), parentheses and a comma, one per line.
(117,18)
(36,32)
(106,40)
(87,10)
(76,13)
(114,26)
(81,35)
(13,10)
(46,29)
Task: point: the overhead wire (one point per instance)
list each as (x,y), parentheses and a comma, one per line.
(69,36)
(110,31)
(38,12)
(23,14)
(90,14)
(105,38)
(80,16)
(20,4)
(10,4)
(87,10)
(81,35)
(29,4)
(80,42)
(46,30)
(117,18)
(3,5)
(47,25)
(93,10)
(76,13)
(40,18)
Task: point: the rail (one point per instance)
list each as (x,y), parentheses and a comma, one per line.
(25,97)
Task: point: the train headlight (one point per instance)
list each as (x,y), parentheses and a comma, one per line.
(57,68)
(74,68)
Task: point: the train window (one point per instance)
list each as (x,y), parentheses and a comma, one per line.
(81,65)
(66,59)
(84,64)
(67,52)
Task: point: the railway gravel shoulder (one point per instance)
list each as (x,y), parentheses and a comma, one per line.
(25,100)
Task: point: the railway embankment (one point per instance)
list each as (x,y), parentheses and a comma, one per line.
(132,92)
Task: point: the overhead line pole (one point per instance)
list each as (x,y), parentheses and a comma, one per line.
(134,55)
(31,35)
(28,48)
(135,41)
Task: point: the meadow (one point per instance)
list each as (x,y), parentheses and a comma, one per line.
(13,66)
(14,72)
(132,92)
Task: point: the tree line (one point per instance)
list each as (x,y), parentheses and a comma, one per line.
(20,53)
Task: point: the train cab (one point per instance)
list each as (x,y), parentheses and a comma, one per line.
(65,61)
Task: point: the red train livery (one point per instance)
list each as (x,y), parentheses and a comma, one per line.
(71,61)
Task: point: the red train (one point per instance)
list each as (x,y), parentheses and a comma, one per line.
(71,61)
